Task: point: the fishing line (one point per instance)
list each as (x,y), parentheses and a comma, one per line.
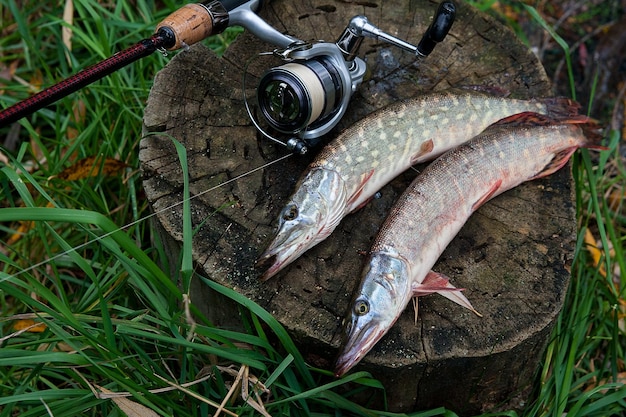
(126,226)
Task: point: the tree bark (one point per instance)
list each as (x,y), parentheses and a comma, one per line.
(512,256)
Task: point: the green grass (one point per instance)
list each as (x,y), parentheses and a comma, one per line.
(115,320)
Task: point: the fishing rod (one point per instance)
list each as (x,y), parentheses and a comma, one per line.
(301,100)
(186,26)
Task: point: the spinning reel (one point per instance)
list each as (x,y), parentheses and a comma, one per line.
(305,97)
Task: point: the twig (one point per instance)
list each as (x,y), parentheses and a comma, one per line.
(195,395)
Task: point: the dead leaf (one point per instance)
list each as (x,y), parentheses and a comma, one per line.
(129,407)
(183,388)
(37,152)
(36,81)
(596,254)
(87,167)
(621,379)
(23,228)
(4,159)
(91,167)
(244,381)
(7,72)
(29,325)
(616,198)
(57,347)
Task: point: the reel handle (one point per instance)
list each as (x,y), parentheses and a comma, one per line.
(359,27)
(438,29)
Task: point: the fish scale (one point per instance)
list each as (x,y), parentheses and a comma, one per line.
(375,150)
(432,210)
(446,190)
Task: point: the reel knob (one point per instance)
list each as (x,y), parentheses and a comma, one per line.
(438,29)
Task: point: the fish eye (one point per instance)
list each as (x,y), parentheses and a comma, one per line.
(361,307)
(290,212)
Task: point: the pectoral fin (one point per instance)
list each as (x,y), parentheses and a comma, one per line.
(426,148)
(439,283)
(487,196)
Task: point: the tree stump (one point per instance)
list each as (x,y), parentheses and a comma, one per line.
(512,256)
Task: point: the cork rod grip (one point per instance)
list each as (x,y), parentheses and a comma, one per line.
(190,24)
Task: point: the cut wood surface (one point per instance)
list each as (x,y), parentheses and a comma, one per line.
(512,256)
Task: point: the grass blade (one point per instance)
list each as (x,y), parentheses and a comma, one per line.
(562,43)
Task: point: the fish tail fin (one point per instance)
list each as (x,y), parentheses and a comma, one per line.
(590,138)
(590,127)
(566,110)
(593,133)
(561,108)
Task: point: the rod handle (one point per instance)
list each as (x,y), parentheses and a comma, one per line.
(193,23)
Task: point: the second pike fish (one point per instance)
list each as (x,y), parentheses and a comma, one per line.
(434,208)
(365,157)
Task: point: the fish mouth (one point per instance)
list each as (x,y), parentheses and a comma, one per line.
(278,255)
(270,264)
(357,345)
(267,263)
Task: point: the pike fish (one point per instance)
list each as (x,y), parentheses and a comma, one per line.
(365,157)
(433,209)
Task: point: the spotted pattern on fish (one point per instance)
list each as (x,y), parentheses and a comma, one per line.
(391,139)
(376,149)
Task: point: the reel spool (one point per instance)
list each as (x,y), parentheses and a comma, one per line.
(297,95)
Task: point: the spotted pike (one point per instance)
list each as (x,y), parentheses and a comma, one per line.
(365,157)
(433,209)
